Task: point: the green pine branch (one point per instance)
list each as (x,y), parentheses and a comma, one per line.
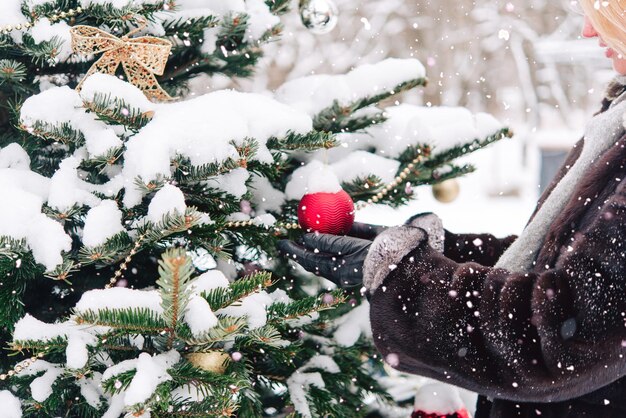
(151,186)
(17,268)
(210,238)
(97,165)
(122,18)
(46,157)
(227,329)
(56,345)
(413,152)
(267,335)
(175,269)
(339,118)
(189,30)
(171,223)
(359,122)
(255,239)
(233,56)
(63,270)
(359,379)
(48,8)
(114,249)
(278,6)
(41,54)
(311,141)
(184,373)
(431,169)
(366,188)
(210,200)
(186,172)
(439,159)
(220,406)
(451,171)
(65,400)
(150,234)
(117,111)
(363,188)
(222,297)
(63,133)
(70,218)
(238,63)
(119,382)
(231,35)
(250,402)
(12,72)
(279,311)
(5,42)
(217,390)
(127,320)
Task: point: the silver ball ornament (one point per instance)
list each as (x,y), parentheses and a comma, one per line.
(319,16)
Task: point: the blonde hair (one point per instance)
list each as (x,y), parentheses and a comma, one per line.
(608,18)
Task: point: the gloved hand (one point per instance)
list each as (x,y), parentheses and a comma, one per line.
(337,258)
(340,258)
(366,231)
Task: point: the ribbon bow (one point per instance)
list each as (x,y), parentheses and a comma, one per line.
(141,57)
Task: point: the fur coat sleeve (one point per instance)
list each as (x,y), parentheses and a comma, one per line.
(484,249)
(547,335)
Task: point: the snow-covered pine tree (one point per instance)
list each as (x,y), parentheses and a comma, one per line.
(138,263)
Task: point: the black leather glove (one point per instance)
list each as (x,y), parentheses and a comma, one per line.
(340,258)
(366,231)
(337,258)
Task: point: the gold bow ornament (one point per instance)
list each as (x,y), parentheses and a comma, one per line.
(141,57)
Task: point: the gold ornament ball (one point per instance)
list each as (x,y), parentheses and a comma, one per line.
(446,191)
(212,361)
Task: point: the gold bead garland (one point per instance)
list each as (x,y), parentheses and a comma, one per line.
(391,186)
(250,222)
(21,366)
(58,16)
(124,265)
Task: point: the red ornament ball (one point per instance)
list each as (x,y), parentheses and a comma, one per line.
(327,213)
(462,413)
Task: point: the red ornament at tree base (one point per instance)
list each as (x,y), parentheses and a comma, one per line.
(458,414)
(327,213)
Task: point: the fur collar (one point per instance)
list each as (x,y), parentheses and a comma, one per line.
(596,183)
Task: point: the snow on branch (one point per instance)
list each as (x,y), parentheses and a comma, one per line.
(213,127)
(222,133)
(332,100)
(312,94)
(21,216)
(367,162)
(441,127)
(172,320)
(57,114)
(303,379)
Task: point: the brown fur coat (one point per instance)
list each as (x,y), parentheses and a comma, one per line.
(547,343)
